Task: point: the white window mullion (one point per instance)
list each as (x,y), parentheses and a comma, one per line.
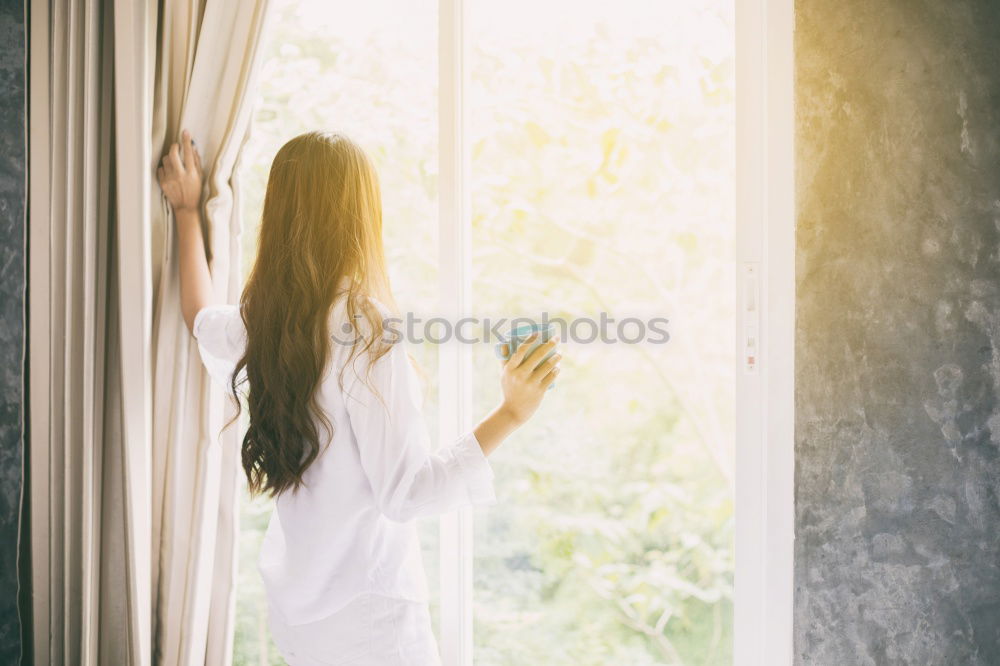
(454,359)
(765,232)
(750,607)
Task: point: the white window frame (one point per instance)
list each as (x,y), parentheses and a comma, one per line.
(765,255)
(454,360)
(765,249)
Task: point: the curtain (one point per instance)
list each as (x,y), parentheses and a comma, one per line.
(208,52)
(133,489)
(88,564)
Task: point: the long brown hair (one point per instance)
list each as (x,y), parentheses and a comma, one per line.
(320,239)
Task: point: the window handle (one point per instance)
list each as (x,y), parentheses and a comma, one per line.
(751,317)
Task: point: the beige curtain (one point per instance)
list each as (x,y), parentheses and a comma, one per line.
(207,58)
(133,491)
(90,546)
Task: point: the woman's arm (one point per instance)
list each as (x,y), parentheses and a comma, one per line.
(407,480)
(524,381)
(181,182)
(196,281)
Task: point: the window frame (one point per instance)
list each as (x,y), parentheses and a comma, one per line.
(765,287)
(454,360)
(765,396)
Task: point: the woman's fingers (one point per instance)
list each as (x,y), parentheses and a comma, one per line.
(549,378)
(174,158)
(197,158)
(159,175)
(536,356)
(517,357)
(545,368)
(189,162)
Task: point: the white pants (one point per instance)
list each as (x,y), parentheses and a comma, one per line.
(372,630)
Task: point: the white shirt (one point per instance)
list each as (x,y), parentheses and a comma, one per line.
(349,530)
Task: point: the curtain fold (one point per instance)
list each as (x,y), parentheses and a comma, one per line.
(134,59)
(74,340)
(133,504)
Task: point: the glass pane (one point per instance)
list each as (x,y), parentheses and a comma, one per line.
(369,70)
(602,182)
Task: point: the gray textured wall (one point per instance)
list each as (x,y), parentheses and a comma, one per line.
(12,193)
(898,332)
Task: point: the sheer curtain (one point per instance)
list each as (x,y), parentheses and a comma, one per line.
(133,490)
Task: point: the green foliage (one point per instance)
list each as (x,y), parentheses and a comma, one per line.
(252,644)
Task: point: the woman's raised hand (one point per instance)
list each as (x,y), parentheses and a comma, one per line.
(526,377)
(180,177)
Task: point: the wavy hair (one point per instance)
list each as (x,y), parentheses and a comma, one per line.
(320,240)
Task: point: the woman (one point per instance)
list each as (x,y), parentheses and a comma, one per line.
(335,430)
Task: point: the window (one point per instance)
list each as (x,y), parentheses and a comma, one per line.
(602,164)
(575,158)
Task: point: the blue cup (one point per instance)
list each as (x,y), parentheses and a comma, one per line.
(519,335)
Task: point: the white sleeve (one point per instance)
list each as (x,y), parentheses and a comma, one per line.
(407,479)
(221,339)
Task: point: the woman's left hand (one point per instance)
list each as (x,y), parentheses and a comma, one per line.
(181,179)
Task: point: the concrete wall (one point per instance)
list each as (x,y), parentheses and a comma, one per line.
(898,332)
(12,282)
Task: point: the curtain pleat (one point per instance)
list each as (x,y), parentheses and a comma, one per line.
(133,39)
(71,174)
(77,323)
(133,488)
